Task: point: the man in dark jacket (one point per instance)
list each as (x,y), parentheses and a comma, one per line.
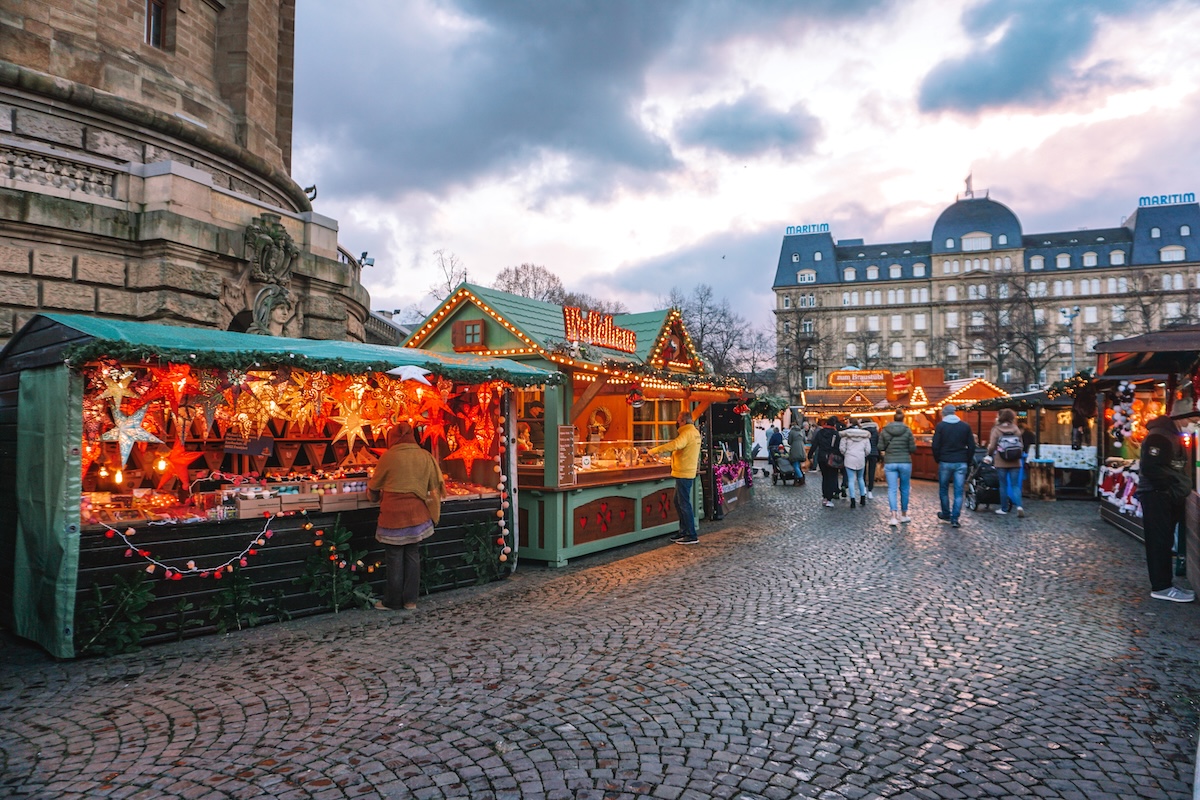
(1163,486)
(953,450)
(872,428)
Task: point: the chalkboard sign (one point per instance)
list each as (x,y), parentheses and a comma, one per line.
(566,455)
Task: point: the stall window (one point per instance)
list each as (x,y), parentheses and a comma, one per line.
(654,421)
(467,335)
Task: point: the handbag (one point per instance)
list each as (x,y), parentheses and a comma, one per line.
(835,460)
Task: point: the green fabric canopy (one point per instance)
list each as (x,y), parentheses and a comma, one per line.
(202,347)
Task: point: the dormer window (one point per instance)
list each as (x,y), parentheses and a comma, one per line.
(1089,259)
(1062,260)
(1002,239)
(1116,258)
(1155,233)
(1185,230)
(806,276)
(795,258)
(872,273)
(977,241)
(1172,253)
(949,244)
(894,271)
(817,256)
(849,274)
(1037,262)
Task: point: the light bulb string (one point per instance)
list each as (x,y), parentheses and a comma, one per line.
(174,573)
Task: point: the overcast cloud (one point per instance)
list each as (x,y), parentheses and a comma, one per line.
(630,146)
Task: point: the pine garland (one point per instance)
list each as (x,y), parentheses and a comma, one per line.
(687,379)
(79,354)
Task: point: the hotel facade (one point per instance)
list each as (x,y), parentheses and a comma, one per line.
(981,298)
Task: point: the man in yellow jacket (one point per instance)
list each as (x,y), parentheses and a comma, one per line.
(685,459)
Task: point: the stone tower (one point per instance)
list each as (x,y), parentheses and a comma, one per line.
(145,149)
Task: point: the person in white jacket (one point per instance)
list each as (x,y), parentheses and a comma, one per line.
(855,446)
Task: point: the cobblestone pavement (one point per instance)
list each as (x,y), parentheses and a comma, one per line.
(797,651)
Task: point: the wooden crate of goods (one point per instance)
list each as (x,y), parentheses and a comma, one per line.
(299,502)
(340,502)
(248,507)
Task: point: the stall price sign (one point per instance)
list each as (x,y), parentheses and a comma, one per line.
(243,445)
(566,455)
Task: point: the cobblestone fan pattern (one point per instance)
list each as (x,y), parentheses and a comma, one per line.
(798,651)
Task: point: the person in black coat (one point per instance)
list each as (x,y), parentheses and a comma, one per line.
(825,443)
(1163,486)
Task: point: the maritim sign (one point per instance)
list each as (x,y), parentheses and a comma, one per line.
(1166,199)
(795,230)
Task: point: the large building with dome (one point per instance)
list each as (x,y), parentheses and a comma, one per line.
(982,298)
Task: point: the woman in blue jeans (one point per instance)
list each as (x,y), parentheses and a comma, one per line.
(896,446)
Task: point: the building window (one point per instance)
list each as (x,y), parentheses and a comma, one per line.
(952,349)
(872,349)
(952,375)
(976,319)
(951,294)
(851,324)
(1155,233)
(467,335)
(848,274)
(1116,258)
(787,328)
(951,319)
(919,323)
(872,323)
(806,276)
(896,322)
(949,244)
(1062,260)
(1039,316)
(795,258)
(924,295)
(1064,373)
(1064,344)
(810,382)
(1185,230)
(894,271)
(156,14)
(787,301)
(979,374)
(874,298)
(1090,314)
(977,241)
(817,256)
(1172,253)
(1172,311)
(806,326)
(808,301)
(897,350)
(1089,259)
(1008,263)
(919,349)
(918,270)
(872,273)
(1037,262)
(1089,344)
(1002,239)
(851,350)
(1118,313)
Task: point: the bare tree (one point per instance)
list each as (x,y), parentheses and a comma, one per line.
(869,352)
(531,280)
(590,303)
(715,330)
(1035,342)
(802,349)
(756,356)
(451,274)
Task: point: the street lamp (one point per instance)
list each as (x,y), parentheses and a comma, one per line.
(1069,315)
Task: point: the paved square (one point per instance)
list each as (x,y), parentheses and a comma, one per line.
(798,651)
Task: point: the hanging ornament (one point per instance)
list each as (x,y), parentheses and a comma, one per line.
(129,430)
(352,423)
(411,372)
(468,452)
(177,463)
(175,382)
(116,387)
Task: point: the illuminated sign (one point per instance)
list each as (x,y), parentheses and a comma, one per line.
(859,377)
(820,227)
(598,329)
(1166,199)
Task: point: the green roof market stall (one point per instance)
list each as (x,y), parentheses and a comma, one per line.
(167,480)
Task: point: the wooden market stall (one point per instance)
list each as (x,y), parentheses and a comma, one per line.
(584,485)
(196,470)
(1138,379)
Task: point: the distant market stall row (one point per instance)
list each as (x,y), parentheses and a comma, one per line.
(230,470)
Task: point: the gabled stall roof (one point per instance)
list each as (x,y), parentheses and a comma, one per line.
(543,323)
(80,338)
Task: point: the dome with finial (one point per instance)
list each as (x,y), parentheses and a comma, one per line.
(975,215)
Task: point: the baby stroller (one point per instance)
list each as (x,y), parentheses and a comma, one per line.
(782,470)
(983,484)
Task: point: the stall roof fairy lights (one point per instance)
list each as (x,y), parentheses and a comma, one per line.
(651,348)
(140,341)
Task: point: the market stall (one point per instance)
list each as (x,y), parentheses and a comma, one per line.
(1136,380)
(585,484)
(198,472)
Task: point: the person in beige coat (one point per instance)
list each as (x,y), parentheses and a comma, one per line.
(1005,448)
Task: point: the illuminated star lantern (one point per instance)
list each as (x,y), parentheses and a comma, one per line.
(174,383)
(117,388)
(468,452)
(127,431)
(178,460)
(352,423)
(410,372)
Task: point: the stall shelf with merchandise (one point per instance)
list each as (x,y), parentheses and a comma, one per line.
(206,461)
(1138,379)
(625,378)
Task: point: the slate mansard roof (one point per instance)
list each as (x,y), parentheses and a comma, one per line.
(817,251)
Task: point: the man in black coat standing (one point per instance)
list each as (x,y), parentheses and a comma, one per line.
(1163,486)
(953,450)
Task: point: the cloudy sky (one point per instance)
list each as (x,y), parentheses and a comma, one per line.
(631,146)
